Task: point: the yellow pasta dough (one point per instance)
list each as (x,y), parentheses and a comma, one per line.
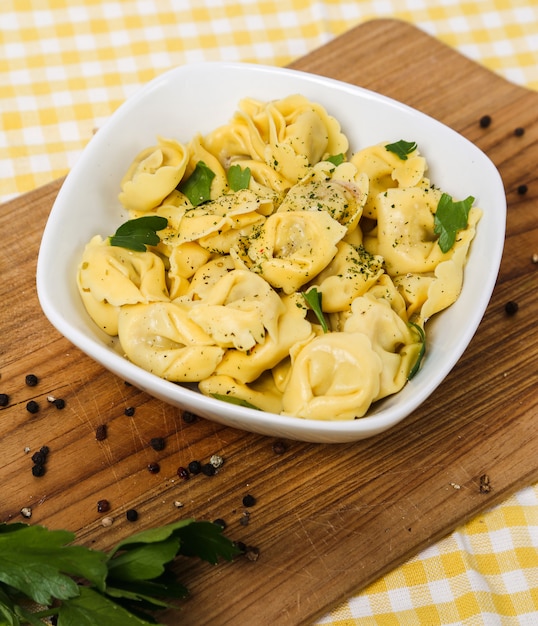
(286,275)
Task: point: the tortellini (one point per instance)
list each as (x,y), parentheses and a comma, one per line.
(288,277)
(153,175)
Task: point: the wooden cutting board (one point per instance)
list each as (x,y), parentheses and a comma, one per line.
(329,519)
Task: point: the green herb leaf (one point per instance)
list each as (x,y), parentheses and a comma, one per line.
(91,608)
(336,159)
(197,187)
(144,561)
(238,178)
(232,400)
(402,148)
(84,587)
(421,353)
(313,299)
(39,563)
(138,233)
(206,541)
(449,218)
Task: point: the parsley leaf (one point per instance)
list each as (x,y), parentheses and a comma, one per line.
(83,587)
(232,400)
(238,178)
(138,233)
(197,187)
(313,299)
(422,350)
(336,159)
(39,563)
(402,148)
(449,218)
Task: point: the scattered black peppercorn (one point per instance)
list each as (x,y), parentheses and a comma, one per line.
(519,131)
(32,407)
(189,417)
(183,473)
(279,447)
(249,500)
(154,468)
(129,411)
(157,443)
(103,506)
(220,522)
(4,399)
(101,432)
(31,380)
(241,545)
(131,515)
(195,467)
(522,190)
(485,121)
(44,450)
(511,307)
(38,470)
(59,403)
(208,469)
(39,458)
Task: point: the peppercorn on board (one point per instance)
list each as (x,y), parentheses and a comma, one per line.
(323,520)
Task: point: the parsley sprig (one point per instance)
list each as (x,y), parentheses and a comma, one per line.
(422,351)
(402,148)
(197,187)
(138,233)
(81,586)
(313,299)
(450,217)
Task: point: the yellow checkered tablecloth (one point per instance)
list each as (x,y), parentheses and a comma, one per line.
(66,65)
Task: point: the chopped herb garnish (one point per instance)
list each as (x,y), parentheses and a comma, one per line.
(236,401)
(402,148)
(450,217)
(138,233)
(336,159)
(313,299)
(197,187)
(238,178)
(422,351)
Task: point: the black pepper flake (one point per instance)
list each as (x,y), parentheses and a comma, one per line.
(511,307)
(131,515)
(129,411)
(59,403)
(519,131)
(101,432)
(249,500)
(485,121)
(208,469)
(183,473)
(157,443)
(38,470)
(154,468)
(39,458)
(31,380)
(103,506)
(189,417)
(279,447)
(522,189)
(4,399)
(32,407)
(195,467)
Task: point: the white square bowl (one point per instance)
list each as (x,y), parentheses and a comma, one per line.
(200,97)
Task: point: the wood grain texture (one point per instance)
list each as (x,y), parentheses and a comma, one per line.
(329,519)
